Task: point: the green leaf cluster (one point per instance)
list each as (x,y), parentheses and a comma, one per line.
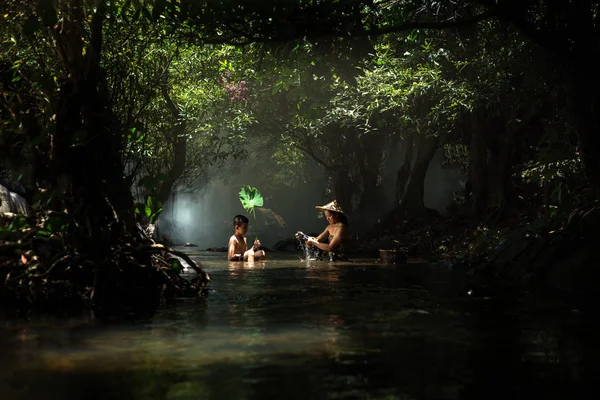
(151,209)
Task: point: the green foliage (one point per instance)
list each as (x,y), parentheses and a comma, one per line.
(559,177)
(152,183)
(176,264)
(151,209)
(457,154)
(180,95)
(336,103)
(353,123)
(552,172)
(483,240)
(18,223)
(57,223)
(290,162)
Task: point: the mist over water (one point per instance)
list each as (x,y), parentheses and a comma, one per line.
(205,217)
(441,183)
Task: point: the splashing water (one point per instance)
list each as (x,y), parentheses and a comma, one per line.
(311,253)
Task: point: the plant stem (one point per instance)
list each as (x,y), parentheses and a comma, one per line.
(254,213)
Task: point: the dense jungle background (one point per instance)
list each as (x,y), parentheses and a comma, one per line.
(466,132)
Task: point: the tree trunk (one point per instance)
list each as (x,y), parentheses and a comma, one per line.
(404,171)
(415,190)
(342,185)
(491,154)
(586,85)
(372,197)
(477,169)
(585,29)
(589,144)
(87,145)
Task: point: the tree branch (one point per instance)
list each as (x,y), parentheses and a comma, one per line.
(336,28)
(202,277)
(490,13)
(170,104)
(311,153)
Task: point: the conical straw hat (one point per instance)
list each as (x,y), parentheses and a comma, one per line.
(331,206)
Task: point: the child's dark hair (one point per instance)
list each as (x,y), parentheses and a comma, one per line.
(238,220)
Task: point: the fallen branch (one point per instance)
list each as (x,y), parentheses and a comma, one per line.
(205,278)
(171,281)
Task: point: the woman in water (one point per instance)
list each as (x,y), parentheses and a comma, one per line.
(333,238)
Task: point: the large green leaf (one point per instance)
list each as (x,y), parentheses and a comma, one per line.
(152,208)
(250,197)
(140,208)
(155,215)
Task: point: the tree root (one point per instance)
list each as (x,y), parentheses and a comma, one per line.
(54,265)
(202,278)
(41,269)
(22,242)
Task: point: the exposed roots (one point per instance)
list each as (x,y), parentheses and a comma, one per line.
(38,269)
(202,277)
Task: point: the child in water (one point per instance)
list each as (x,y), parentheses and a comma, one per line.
(238,246)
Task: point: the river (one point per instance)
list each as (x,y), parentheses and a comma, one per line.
(288,329)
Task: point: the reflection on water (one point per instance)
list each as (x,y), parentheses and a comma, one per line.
(288,329)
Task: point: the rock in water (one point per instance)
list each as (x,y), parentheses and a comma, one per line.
(218,249)
(290,245)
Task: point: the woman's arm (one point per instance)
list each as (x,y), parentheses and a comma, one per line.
(334,243)
(323,235)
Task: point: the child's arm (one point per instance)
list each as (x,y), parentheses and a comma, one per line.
(247,251)
(231,249)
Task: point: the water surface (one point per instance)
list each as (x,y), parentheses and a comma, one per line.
(296,330)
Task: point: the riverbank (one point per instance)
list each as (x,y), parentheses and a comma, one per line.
(553,255)
(45,264)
